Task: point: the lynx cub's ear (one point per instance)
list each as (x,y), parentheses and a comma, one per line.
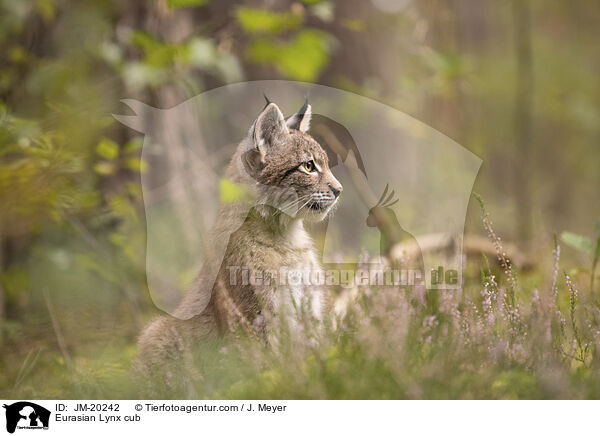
(268,131)
(301,119)
(270,128)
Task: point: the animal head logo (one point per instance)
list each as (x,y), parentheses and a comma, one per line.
(423,179)
(26,415)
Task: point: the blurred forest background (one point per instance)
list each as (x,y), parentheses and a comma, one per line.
(516,82)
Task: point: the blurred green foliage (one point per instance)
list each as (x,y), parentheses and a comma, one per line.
(303,58)
(264,21)
(185,3)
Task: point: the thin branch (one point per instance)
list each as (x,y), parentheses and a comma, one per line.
(62,345)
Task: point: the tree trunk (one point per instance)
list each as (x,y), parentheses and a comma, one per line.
(523,118)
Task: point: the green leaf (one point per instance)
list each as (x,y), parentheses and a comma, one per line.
(263,21)
(137,165)
(578,242)
(230,191)
(156,52)
(107,149)
(302,59)
(185,3)
(134,145)
(104,168)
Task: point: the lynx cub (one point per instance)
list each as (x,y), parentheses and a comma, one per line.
(286,175)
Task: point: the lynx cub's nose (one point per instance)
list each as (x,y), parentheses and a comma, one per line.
(337,190)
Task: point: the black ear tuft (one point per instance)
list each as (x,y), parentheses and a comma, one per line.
(267,101)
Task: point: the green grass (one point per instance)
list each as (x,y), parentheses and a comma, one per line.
(498,338)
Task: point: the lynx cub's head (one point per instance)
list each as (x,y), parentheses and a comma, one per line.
(287,166)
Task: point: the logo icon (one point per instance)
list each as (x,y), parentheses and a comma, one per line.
(26,415)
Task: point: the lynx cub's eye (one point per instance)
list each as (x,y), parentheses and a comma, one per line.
(308,167)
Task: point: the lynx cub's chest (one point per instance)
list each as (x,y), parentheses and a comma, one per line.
(302,287)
